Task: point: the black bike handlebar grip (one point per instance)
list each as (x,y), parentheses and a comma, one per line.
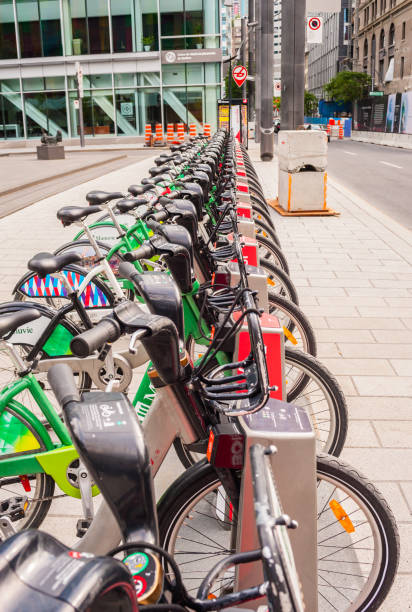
(61,380)
(107,330)
(145,251)
(127,270)
(162,215)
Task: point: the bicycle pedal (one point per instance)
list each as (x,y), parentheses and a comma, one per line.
(82,526)
(14,507)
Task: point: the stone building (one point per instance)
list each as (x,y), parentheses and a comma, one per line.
(382,43)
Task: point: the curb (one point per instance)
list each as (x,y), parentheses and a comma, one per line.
(61,175)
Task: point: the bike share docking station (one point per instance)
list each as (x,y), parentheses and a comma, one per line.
(288,428)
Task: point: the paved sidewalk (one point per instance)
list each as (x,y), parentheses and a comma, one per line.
(354,278)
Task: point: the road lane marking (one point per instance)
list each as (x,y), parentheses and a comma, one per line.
(389,164)
(349,153)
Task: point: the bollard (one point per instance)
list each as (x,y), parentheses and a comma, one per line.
(207,130)
(192,130)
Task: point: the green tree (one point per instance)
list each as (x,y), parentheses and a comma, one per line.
(311,104)
(348,86)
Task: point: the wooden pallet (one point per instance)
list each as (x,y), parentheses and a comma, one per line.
(325,212)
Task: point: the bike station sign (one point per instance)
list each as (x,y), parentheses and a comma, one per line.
(239,74)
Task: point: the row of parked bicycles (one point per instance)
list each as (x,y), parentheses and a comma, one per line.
(171,322)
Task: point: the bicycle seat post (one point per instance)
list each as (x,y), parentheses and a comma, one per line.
(107,206)
(90,236)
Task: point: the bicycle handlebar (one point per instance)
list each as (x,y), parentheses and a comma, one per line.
(61,380)
(107,330)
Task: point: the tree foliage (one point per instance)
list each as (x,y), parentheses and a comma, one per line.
(348,86)
(311,104)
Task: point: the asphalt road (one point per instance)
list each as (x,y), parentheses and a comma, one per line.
(380,175)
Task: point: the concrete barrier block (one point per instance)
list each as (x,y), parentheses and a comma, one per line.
(298,148)
(302,190)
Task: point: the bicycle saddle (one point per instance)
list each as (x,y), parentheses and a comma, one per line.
(70,214)
(137,190)
(100,197)
(10,322)
(159,170)
(47,263)
(127,204)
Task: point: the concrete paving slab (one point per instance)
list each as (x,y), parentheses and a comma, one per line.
(374,333)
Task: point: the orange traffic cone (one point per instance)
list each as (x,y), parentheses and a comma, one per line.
(148,135)
(170,133)
(180,132)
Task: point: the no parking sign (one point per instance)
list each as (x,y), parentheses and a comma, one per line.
(314,30)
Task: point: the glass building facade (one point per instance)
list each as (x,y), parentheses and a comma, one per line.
(120,45)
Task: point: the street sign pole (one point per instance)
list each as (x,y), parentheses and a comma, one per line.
(243,53)
(293,63)
(266,81)
(251,59)
(80,94)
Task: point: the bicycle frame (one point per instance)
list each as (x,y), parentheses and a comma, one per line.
(56,458)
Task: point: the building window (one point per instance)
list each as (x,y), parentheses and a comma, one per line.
(365,48)
(121,12)
(45,110)
(403,30)
(11,116)
(39,28)
(381,69)
(8,48)
(90,26)
(402,72)
(391,35)
(382,39)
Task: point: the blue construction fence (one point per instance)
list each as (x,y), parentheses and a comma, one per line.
(347,126)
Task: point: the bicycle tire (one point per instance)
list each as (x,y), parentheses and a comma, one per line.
(200,480)
(279,279)
(266,231)
(311,370)
(44,483)
(298,320)
(262,215)
(271,252)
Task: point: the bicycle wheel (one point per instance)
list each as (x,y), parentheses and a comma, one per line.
(310,385)
(18,436)
(355,569)
(266,231)
(269,251)
(278,281)
(262,215)
(297,328)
